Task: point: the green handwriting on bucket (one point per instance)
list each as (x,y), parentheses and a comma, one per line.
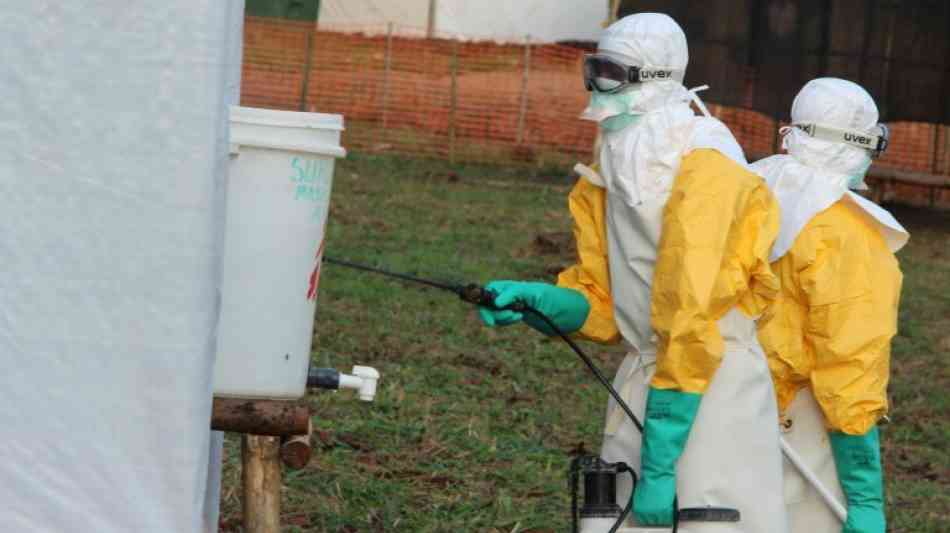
(312,179)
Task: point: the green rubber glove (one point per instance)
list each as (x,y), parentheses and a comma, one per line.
(669,417)
(858,460)
(567,308)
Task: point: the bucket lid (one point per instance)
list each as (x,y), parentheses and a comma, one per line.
(287,130)
(286,119)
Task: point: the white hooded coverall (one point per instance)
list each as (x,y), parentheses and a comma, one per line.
(811,185)
(674,167)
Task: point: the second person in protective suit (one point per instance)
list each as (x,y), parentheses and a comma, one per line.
(673,235)
(828,336)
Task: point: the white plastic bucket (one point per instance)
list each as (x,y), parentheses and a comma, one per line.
(278,197)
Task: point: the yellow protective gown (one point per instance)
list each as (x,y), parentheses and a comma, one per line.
(713,256)
(832,325)
(718,228)
(828,334)
(591,274)
(694,258)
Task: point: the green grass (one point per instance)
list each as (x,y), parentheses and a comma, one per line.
(915,442)
(473,428)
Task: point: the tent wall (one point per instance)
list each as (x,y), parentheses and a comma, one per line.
(500,20)
(112,153)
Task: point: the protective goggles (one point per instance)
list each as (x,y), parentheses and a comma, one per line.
(607,75)
(876,140)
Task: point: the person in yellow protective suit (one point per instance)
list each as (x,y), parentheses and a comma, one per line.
(828,336)
(673,234)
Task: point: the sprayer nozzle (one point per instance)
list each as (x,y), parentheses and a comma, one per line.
(478,295)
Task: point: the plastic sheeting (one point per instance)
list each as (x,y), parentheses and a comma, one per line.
(113,145)
(500,20)
(232,93)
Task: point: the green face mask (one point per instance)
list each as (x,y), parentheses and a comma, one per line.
(619,122)
(856,180)
(611,111)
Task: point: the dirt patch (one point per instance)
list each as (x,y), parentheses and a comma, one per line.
(471,361)
(906,463)
(557,243)
(557,249)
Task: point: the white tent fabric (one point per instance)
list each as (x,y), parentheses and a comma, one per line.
(113,145)
(499,20)
(232,94)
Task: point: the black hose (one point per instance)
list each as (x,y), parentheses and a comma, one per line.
(478,295)
(623,405)
(590,364)
(676,514)
(572,482)
(629,507)
(395,275)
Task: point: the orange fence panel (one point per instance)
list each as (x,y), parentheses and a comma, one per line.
(474,100)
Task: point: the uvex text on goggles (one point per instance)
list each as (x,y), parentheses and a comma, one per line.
(876,141)
(607,75)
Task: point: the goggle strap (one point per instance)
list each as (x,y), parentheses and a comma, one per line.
(875,142)
(656,74)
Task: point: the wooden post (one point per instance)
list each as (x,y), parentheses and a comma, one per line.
(260,417)
(941,149)
(430,23)
(307,65)
(614,10)
(945,163)
(261,479)
(453,99)
(386,69)
(524,88)
(886,74)
(777,136)
(295,451)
